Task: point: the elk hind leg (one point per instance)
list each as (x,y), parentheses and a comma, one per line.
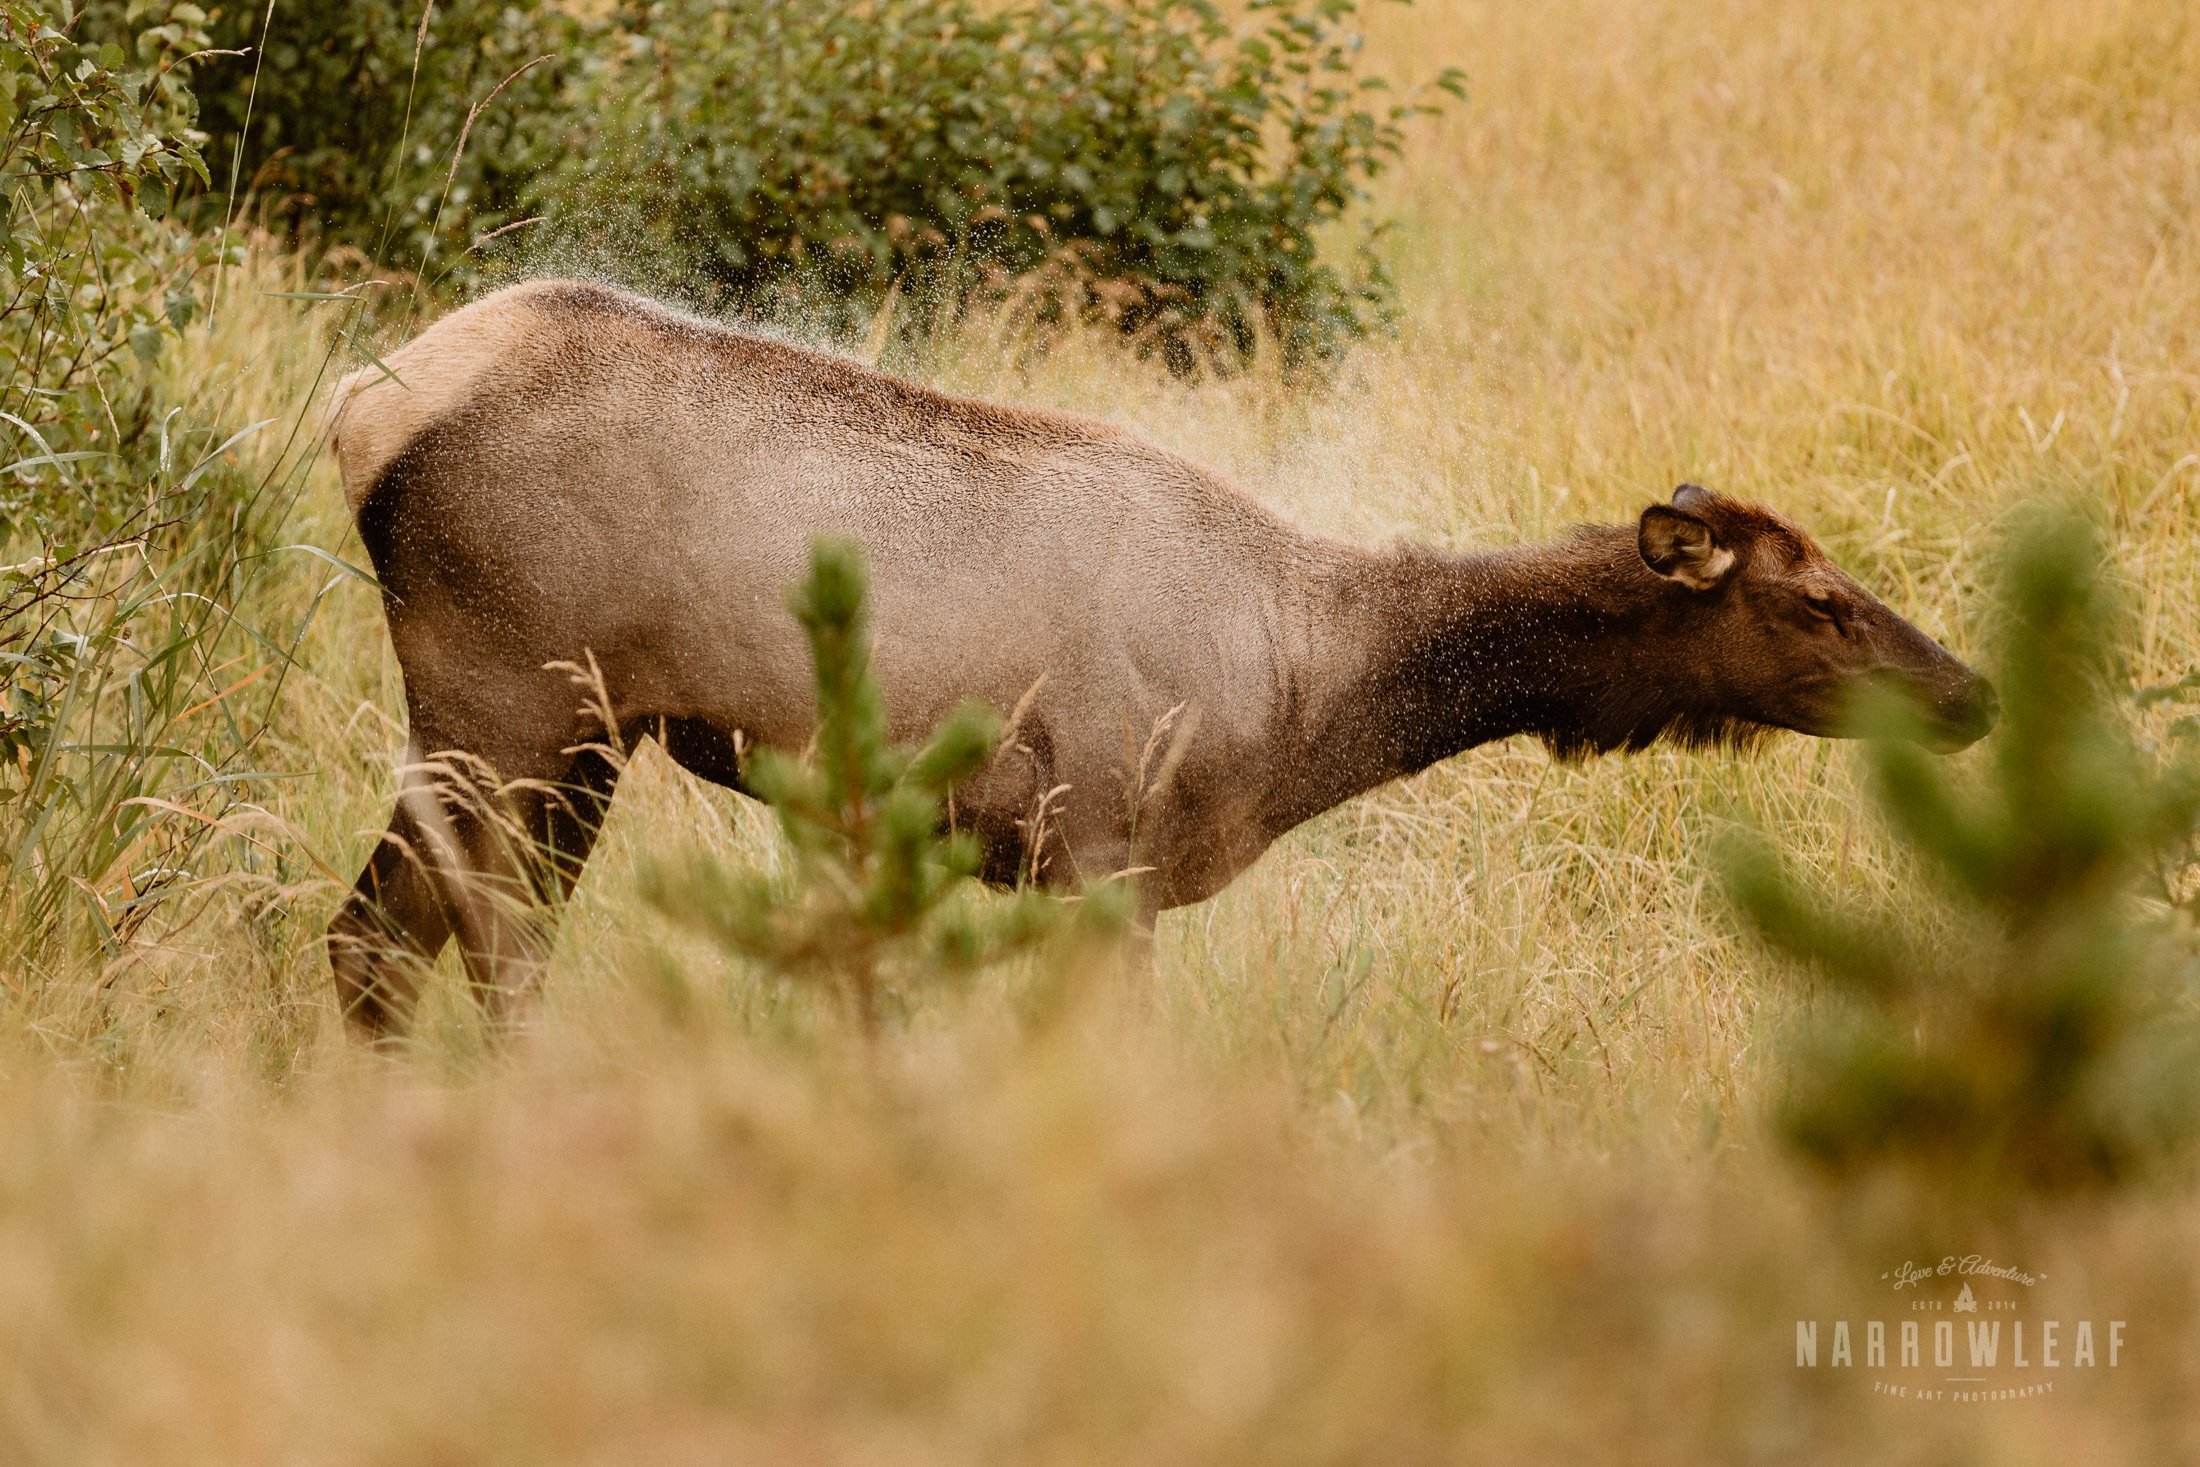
(389,928)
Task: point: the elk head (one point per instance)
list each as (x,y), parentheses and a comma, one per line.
(1776,634)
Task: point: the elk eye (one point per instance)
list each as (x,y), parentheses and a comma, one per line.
(1823,608)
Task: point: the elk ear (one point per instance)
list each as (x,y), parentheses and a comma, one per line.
(1681,547)
(1691,497)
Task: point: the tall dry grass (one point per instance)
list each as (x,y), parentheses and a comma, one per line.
(1443,1138)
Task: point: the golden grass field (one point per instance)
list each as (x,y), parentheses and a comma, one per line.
(1443,1139)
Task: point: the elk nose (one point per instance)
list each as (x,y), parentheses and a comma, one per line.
(1973,710)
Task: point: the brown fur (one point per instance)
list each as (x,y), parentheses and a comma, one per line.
(563,472)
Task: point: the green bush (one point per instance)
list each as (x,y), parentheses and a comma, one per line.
(354,110)
(2028,1021)
(93,284)
(869,907)
(95,144)
(120,525)
(1141,162)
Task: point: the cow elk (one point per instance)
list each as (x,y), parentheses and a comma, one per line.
(566,474)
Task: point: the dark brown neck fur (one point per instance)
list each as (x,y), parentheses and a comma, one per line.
(1573,642)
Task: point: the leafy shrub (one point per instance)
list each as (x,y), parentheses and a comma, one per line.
(110,605)
(92,285)
(354,110)
(869,908)
(1135,160)
(2031,1025)
(1141,162)
(92,152)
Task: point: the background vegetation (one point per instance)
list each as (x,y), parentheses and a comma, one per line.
(1453,1130)
(1170,167)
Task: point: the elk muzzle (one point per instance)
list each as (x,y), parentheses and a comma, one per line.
(1949,708)
(1964,714)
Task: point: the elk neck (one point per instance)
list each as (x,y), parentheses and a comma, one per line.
(1414,656)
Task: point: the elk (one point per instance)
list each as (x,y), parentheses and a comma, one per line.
(563,472)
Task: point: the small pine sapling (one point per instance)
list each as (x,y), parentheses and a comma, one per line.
(871,907)
(2026,1024)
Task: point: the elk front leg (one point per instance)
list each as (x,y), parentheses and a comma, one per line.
(499,870)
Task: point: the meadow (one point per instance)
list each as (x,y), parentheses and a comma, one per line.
(1442,1135)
